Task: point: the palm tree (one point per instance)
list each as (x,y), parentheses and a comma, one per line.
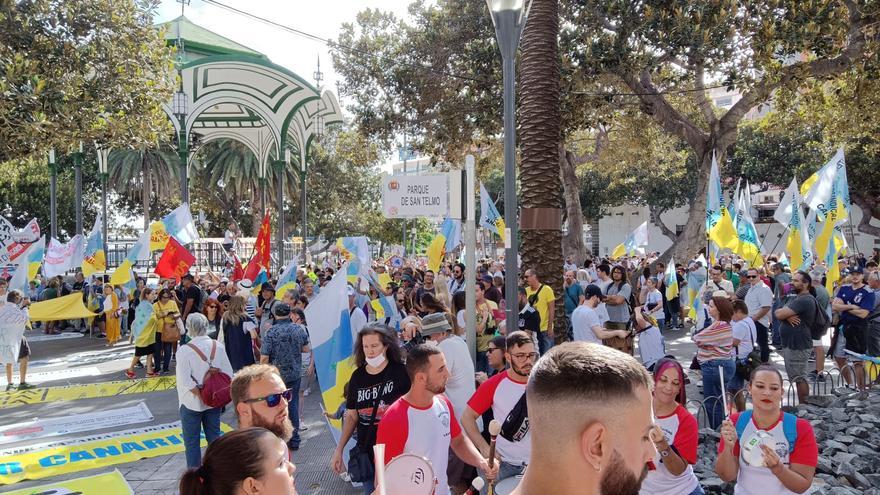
(230,173)
(144,174)
(540,184)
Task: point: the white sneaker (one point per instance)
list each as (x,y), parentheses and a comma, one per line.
(307,391)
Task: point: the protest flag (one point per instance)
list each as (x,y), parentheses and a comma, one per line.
(94,258)
(489,216)
(719,223)
(260,259)
(175,260)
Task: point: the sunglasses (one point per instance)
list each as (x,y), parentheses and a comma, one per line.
(752,276)
(272,400)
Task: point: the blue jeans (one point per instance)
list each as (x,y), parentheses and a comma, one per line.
(293,411)
(544,342)
(697,491)
(160,350)
(191,423)
(369,487)
(712,388)
(505,470)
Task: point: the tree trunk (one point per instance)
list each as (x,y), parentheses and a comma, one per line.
(870,209)
(573,241)
(541,188)
(693,237)
(656,220)
(147,187)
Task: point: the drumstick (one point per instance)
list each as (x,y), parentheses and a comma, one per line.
(379,455)
(723,391)
(494,430)
(476,486)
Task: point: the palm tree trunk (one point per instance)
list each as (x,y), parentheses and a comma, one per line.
(540,185)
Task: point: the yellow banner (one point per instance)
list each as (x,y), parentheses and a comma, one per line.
(101,484)
(86,391)
(69,307)
(95,451)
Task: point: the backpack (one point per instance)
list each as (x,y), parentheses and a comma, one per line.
(214,389)
(789,427)
(820,322)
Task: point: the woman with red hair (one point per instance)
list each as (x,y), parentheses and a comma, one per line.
(675,435)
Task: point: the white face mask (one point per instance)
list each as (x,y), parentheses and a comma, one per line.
(377,361)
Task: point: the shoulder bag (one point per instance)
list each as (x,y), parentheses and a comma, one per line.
(360,464)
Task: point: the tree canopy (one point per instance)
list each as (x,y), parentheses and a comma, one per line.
(81,70)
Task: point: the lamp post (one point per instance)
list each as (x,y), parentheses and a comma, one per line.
(53,192)
(509,17)
(180,108)
(103,153)
(78,197)
(281,166)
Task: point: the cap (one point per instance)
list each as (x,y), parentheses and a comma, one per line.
(486,278)
(350,290)
(856,269)
(224,280)
(267,286)
(435,323)
(245,284)
(281,309)
(592,290)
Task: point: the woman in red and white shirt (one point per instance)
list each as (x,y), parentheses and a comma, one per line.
(674,435)
(786,469)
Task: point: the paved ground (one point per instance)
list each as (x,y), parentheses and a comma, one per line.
(159,475)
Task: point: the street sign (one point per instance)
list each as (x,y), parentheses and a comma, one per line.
(405,196)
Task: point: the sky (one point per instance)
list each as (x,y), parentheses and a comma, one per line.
(321,18)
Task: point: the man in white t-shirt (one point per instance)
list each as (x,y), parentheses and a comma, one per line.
(502,393)
(651,346)
(603,274)
(422,422)
(585,322)
(759,299)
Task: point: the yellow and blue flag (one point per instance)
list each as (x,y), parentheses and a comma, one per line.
(332,342)
(634,243)
(357,254)
(94,258)
(35,257)
(719,222)
(445,241)
(790,214)
(670,280)
(142,316)
(829,196)
(287,280)
(180,225)
(749,246)
(489,216)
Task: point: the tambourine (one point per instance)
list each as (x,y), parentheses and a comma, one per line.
(409,474)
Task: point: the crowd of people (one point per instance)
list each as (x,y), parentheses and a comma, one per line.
(578,413)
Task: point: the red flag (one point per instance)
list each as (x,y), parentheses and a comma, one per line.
(175,260)
(262,245)
(237,270)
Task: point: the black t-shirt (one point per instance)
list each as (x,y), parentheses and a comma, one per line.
(364,389)
(798,337)
(194,294)
(529,320)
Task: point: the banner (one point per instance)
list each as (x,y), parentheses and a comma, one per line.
(59,374)
(14,242)
(332,342)
(76,423)
(61,257)
(69,307)
(101,484)
(411,196)
(86,391)
(261,258)
(95,451)
(12,323)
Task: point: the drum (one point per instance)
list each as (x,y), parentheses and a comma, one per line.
(507,485)
(409,474)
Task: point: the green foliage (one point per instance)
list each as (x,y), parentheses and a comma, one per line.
(81,70)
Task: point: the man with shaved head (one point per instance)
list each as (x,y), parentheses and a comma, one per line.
(589,417)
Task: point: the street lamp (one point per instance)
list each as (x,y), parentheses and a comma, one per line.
(509,17)
(53,192)
(180,108)
(103,154)
(77,180)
